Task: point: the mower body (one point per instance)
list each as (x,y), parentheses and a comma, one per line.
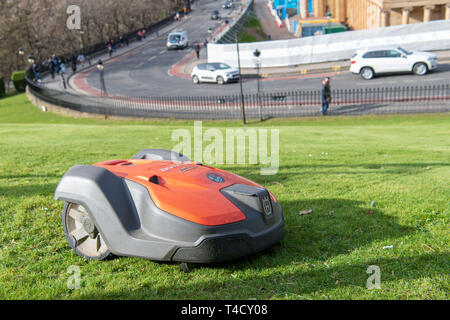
(161,206)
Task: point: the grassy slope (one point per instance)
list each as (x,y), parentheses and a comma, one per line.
(253,31)
(334,166)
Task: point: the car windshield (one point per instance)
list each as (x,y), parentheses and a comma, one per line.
(404,51)
(174,37)
(220,66)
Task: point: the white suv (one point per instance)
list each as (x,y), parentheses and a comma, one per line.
(367,63)
(217,72)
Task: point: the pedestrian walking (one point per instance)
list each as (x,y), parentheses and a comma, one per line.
(57,63)
(81,59)
(197,49)
(37,72)
(205,44)
(121,41)
(73,61)
(326,95)
(52,66)
(127,41)
(110,48)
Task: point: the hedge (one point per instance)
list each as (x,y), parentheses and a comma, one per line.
(18,79)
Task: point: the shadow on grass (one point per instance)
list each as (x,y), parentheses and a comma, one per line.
(300,262)
(281,284)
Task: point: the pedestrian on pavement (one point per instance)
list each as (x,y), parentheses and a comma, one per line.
(326,95)
(205,44)
(197,49)
(127,40)
(81,59)
(57,63)
(37,72)
(144,33)
(110,48)
(121,41)
(52,66)
(73,61)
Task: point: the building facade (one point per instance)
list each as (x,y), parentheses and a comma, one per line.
(367,14)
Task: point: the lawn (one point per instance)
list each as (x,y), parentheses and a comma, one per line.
(335,166)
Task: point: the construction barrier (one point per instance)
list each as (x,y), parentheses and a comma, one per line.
(433,35)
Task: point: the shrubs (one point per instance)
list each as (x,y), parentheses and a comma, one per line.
(2,87)
(18,79)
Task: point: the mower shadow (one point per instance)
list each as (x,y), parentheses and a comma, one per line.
(301,263)
(335,227)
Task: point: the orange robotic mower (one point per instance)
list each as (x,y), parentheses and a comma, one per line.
(159,205)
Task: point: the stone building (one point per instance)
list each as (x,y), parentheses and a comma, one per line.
(367,14)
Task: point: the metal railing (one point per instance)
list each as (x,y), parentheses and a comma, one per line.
(390,100)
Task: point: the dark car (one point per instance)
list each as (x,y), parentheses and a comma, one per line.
(227,5)
(215,15)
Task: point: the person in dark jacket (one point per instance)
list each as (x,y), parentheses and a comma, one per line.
(197,49)
(326,95)
(73,61)
(52,66)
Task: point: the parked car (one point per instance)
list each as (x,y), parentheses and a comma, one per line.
(177,39)
(368,63)
(217,72)
(227,5)
(215,15)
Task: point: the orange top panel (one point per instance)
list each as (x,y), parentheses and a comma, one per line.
(184,189)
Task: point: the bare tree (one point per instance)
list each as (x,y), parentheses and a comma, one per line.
(39,27)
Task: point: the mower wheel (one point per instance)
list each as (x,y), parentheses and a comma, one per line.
(82,233)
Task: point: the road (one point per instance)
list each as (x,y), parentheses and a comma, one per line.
(145,73)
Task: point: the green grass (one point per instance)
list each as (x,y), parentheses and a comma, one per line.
(335,166)
(252,31)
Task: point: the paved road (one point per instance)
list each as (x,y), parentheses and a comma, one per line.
(145,73)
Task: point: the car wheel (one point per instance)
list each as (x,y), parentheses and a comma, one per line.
(420,69)
(195,80)
(220,80)
(367,73)
(82,234)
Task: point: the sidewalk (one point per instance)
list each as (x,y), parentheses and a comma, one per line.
(268,23)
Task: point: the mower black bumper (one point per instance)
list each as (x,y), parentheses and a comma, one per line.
(227,247)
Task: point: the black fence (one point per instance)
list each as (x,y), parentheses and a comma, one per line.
(391,100)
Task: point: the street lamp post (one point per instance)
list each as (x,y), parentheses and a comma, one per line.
(240,79)
(20,54)
(257,59)
(100,68)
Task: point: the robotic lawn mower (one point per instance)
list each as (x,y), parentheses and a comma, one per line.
(161,206)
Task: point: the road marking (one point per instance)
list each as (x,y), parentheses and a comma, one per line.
(139,65)
(162,51)
(151,58)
